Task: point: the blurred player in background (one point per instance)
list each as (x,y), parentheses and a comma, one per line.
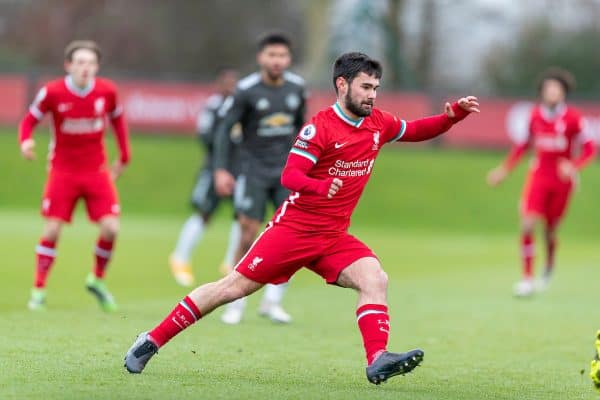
(204,198)
(554,131)
(270,106)
(79,104)
(327,170)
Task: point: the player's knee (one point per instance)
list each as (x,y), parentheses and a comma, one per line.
(380,280)
(109,229)
(374,281)
(52,231)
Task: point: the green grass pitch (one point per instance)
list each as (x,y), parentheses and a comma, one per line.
(448,243)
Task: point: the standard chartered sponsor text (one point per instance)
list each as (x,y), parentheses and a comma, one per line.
(354,168)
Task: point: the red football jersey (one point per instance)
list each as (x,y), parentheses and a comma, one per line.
(553,136)
(79,119)
(343,148)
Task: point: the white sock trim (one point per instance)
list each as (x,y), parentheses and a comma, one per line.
(368,312)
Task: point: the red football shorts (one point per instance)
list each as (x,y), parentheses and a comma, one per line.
(547,198)
(63,189)
(280,251)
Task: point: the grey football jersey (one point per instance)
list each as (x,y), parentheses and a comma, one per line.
(270,117)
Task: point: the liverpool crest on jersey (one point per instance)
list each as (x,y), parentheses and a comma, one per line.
(375,141)
(99,106)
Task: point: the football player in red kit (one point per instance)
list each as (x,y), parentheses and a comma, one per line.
(80,103)
(555,130)
(327,169)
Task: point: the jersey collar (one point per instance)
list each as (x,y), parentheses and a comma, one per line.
(354,122)
(549,114)
(77,91)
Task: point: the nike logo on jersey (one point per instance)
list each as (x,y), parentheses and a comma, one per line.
(338,145)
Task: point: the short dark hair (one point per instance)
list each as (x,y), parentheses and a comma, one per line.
(349,65)
(270,38)
(82,44)
(564,77)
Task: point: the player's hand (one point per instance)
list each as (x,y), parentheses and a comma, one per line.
(566,170)
(116,170)
(224,182)
(335,186)
(469,104)
(28,149)
(497,175)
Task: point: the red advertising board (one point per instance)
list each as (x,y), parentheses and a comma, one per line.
(163,106)
(13,98)
(168,107)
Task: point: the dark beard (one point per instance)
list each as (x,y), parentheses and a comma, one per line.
(355,108)
(274,76)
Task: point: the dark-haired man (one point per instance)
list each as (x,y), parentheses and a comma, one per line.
(79,104)
(269,105)
(554,129)
(326,170)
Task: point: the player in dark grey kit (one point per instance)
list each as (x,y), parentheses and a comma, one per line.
(270,106)
(204,198)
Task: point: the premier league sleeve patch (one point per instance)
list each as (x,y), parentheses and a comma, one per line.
(308,132)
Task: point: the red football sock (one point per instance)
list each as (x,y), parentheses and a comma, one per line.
(103,252)
(182,316)
(45,254)
(527,254)
(374,324)
(550,250)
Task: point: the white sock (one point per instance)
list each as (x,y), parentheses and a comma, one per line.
(239,304)
(235,234)
(274,293)
(190,234)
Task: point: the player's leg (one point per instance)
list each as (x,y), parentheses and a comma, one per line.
(269,260)
(103,208)
(205,201)
(199,303)
(525,287)
(366,276)
(45,254)
(595,367)
(249,200)
(349,263)
(533,209)
(233,243)
(557,206)
(550,241)
(60,196)
(249,228)
(271,303)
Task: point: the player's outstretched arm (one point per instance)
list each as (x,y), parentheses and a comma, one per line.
(498,174)
(428,128)
(26,141)
(295,178)
(122,135)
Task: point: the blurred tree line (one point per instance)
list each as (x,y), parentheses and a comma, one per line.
(190,39)
(515,70)
(186,39)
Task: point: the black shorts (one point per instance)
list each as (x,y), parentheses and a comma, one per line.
(251,195)
(204,196)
